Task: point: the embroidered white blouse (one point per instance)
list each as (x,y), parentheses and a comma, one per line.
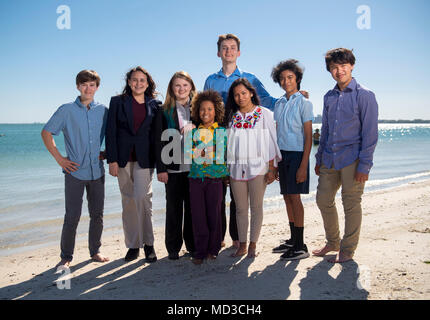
(252,143)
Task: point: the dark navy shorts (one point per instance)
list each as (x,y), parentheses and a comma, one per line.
(287,173)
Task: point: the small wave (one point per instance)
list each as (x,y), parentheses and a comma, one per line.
(374,183)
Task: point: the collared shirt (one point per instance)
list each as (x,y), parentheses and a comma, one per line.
(184,118)
(184,114)
(349,128)
(290,115)
(221,83)
(84,131)
(212,164)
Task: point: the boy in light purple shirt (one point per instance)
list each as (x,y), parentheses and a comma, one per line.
(349,134)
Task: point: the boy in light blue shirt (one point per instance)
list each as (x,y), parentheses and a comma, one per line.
(229,51)
(83,124)
(293,115)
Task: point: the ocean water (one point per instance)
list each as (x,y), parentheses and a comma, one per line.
(32,185)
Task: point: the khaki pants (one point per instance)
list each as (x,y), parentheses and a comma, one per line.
(329,183)
(249,194)
(135,185)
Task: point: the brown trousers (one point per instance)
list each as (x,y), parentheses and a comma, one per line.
(329,182)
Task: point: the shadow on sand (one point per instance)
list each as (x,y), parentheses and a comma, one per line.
(181,280)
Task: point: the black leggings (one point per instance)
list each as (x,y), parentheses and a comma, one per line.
(232,225)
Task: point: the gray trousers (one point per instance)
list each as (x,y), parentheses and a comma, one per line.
(74,191)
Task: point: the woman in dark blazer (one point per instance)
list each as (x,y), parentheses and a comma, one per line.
(131,157)
(176,115)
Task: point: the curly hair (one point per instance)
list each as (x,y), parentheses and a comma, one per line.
(208,95)
(291,65)
(150,91)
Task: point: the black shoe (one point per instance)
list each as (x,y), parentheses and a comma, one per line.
(284,247)
(149,253)
(289,242)
(296,254)
(173,256)
(132,254)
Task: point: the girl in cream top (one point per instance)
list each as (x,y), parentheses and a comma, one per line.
(252,143)
(252,156)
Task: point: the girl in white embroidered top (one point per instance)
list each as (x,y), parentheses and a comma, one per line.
(252,155)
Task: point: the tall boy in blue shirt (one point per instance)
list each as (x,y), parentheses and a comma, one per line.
(83,125)
(349,134)
(228,51)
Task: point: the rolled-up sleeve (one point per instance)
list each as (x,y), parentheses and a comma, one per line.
(307,111)
(57,122)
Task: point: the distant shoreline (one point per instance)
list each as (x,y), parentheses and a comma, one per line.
(317,121)
(404,121)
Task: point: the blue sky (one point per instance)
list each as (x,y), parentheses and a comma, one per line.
(39,62)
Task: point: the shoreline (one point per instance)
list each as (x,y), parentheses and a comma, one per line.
(391,262)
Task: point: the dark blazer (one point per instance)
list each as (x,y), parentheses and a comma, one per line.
(120,135)
(160,126)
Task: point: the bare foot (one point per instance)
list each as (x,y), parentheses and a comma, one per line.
(236,244)
(222,244)
(99,258)
(323,251)
(340,257)
(241,251)
(252,251)
(63,263)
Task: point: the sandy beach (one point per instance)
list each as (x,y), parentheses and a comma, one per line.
(392,262)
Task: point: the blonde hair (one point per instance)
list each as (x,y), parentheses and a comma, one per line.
(170,100)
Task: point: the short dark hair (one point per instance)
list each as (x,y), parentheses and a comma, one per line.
(339,55)
(293,66)
(87,75)
(208,95)
(228,36)
(231,105)
(150,91)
